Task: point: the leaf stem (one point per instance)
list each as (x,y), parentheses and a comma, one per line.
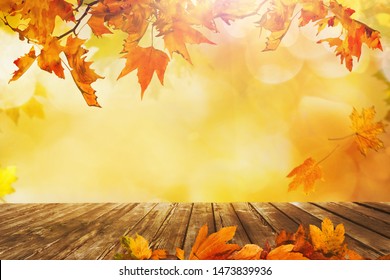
(341,138)
(328,155)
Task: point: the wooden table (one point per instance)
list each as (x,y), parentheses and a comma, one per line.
(92,231)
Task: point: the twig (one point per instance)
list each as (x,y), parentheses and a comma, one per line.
(73,30)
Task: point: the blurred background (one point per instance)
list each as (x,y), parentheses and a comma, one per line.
(228,128)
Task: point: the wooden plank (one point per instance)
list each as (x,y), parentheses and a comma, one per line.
(24,216)
(367,243)
(132,218)
(276,219)
(55,232)
(202,213)
(255,226)
(225,215)
(381,206)
(370,212)
(172,231)
(149,225)
(7,210)
(107,234)
(358,218)
(80,234)
(16,232)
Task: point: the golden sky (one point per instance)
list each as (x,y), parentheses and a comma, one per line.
(228,128)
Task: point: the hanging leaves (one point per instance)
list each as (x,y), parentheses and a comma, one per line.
(177,23)
(7,177)
(319,244)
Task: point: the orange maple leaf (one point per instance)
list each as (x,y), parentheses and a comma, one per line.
(176,25)
(23,63)
(355,34)
(277,20)
(366,130)
(285,252)
(312,11)
(147,61)
(49,58)
(81,71)
(305,174)
(158,254)
(179,253)
(248,252)
(213,246)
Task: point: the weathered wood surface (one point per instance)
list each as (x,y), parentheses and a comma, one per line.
(92,231)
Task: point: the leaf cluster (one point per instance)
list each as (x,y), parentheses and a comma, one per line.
(325,243)
(178,23)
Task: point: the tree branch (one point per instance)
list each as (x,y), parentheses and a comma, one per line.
(73,30)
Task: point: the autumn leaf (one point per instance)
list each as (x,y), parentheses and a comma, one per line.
(277,20)
(147,61)
(366,130)
(158,254)
(213,246)
(355,33)
(284,238)
(49,58)
(23,63)
(248,252)
(306,175)
(312,11)
(177,27)
(138,248)
(284,252)
(328,239)
(179,253)
(301,243)
(7,177)
(81,70)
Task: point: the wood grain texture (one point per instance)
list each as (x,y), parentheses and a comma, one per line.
(93,231)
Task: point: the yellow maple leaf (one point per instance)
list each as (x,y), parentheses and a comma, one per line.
(138,247)
(7,177)
(305,174)
(366,130)
(329,240)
